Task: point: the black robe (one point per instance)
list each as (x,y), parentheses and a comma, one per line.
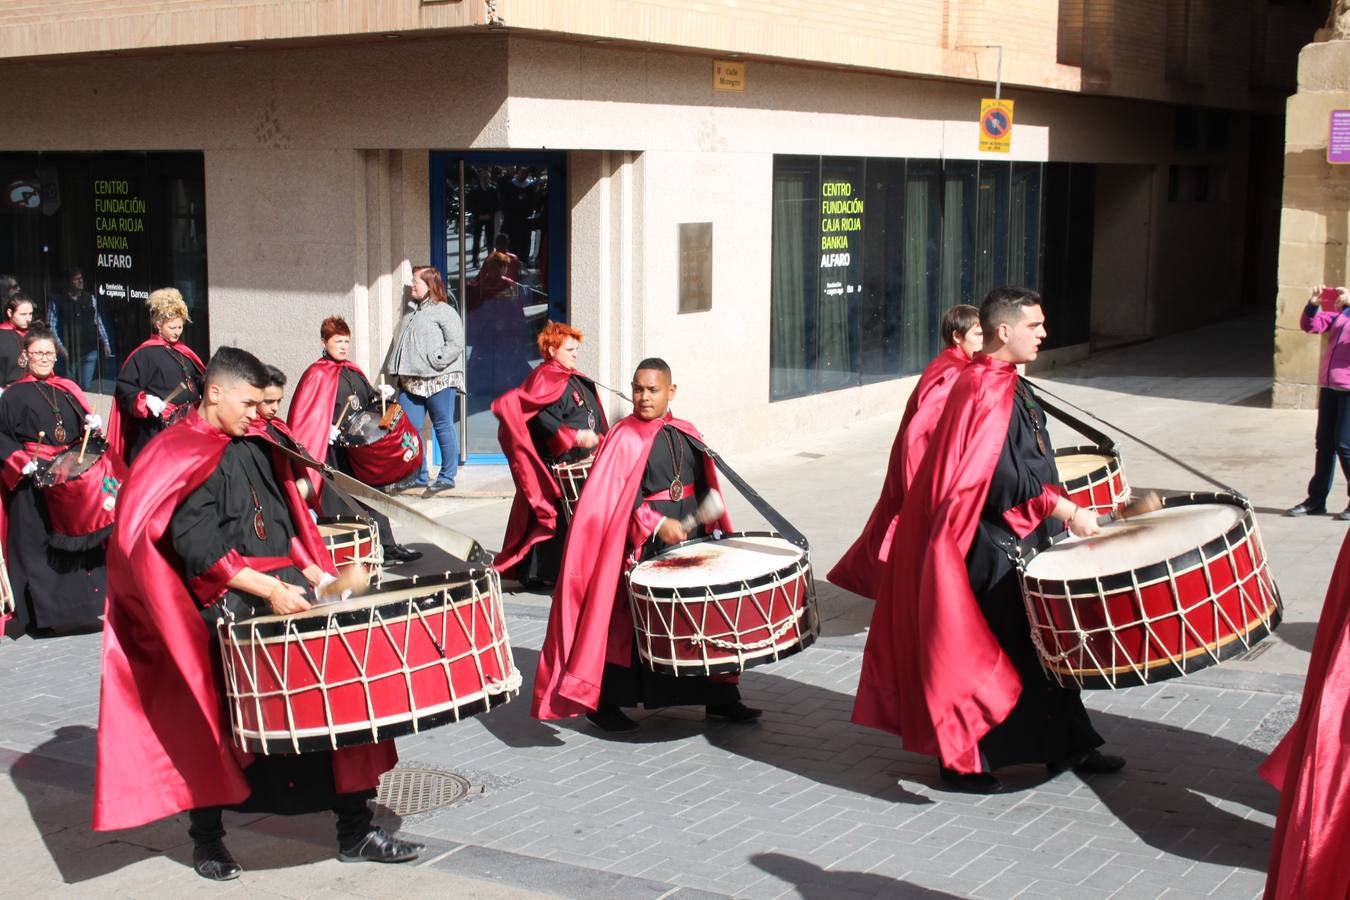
(53,589)
(219,517)
(11,351)
(1049,723)
(638,684)
(351,384)
(160,371)
(544,559)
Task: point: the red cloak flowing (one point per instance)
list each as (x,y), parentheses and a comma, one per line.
(589,624)
(534,511)
(163,745)
(116,431)
(932,670)
(310,417)
(1311,766)
(858,568)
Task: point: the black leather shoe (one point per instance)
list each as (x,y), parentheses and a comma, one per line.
(436,488)
(1092,762)
(977,783)
(734,712)
(1306,508)
(397,553)
(612,719)
(380,846)
(212,861)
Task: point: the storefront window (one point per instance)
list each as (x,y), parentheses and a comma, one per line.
(88,236)
(867,253)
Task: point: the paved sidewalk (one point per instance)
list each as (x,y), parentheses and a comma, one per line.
(804,803)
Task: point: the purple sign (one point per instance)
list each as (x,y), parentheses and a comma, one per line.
(1338,141)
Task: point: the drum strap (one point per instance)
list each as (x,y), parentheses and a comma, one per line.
(1087,430)
(760,505)
(1102,441)
(456,543)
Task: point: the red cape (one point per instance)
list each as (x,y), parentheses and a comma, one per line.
(534,510)
(163,744)
(858,568)
(115,431)
(1311,766)
(932,670)
(588,624)
(310,417)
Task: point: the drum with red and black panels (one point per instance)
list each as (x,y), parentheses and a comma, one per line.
(371,668)
(571,478)
(79,486)
(353,541)
(1152,597)
(715,606)
(1092,477)
(381,444)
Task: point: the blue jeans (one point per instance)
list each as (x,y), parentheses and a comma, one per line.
(1333,442)
(441,405)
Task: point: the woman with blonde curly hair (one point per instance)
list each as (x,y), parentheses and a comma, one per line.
(555,416)
(160,380)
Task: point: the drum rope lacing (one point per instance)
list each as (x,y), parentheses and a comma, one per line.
(773,637)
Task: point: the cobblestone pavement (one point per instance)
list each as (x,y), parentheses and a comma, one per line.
(802,803)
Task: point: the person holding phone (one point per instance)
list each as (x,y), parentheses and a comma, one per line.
(1325,313)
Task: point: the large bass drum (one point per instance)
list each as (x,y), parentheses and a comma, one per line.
(370,668)
(1149,598)
(717,606)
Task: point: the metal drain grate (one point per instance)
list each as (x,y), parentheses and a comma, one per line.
(406,792)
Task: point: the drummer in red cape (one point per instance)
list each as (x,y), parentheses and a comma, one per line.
(554,417)
(324,397)
(589,660)
(857,569)
(58,577)
(212,526)
(159,381)
(949,664)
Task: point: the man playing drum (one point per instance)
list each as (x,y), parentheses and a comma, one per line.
(857,569)
(212,526)
(553,417)
(949,664)
(648,476)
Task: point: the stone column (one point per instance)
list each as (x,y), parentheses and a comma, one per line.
(1315,220)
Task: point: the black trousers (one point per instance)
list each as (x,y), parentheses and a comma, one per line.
(637,685)
(1333,442)
(354,817)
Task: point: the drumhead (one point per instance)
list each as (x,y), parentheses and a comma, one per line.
(1076,465)
(67,466)
(459,585)
(1125,546)
(738,557)
(337,529)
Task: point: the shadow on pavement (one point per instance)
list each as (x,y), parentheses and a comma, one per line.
(1299,635)
(511,723)
(1161,795)
(814,883)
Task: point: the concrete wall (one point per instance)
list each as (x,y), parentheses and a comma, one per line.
(1315,222)
(1125,240)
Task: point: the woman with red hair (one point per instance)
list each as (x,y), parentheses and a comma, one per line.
(328,389)
(554,417)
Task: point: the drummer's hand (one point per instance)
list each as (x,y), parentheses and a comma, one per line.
(93,421)
(670,531)
(387,391)
(314,575)
(286,599)
(155,405)
(30,468)
(333,433)
(586,439)
(1083,523)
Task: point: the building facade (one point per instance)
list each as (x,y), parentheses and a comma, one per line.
(779,198)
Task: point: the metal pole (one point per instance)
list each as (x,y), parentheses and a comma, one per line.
(464,315)
(998,79)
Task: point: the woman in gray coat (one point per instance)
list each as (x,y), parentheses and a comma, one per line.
(429,363)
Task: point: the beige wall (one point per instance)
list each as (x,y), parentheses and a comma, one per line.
(1315,223)
(1125,241)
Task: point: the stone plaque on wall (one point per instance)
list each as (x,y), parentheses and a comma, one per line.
(695,266)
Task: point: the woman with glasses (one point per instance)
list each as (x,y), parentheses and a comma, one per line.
(159,382)
(59,581)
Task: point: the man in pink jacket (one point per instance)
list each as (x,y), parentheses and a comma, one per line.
(1326,314)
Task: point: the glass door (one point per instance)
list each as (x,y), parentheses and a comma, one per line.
(499,230)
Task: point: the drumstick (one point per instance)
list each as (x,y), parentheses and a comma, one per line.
(84,443)
(1145,504)
(346,408)
(353,578)
(710,510)
(381,396)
